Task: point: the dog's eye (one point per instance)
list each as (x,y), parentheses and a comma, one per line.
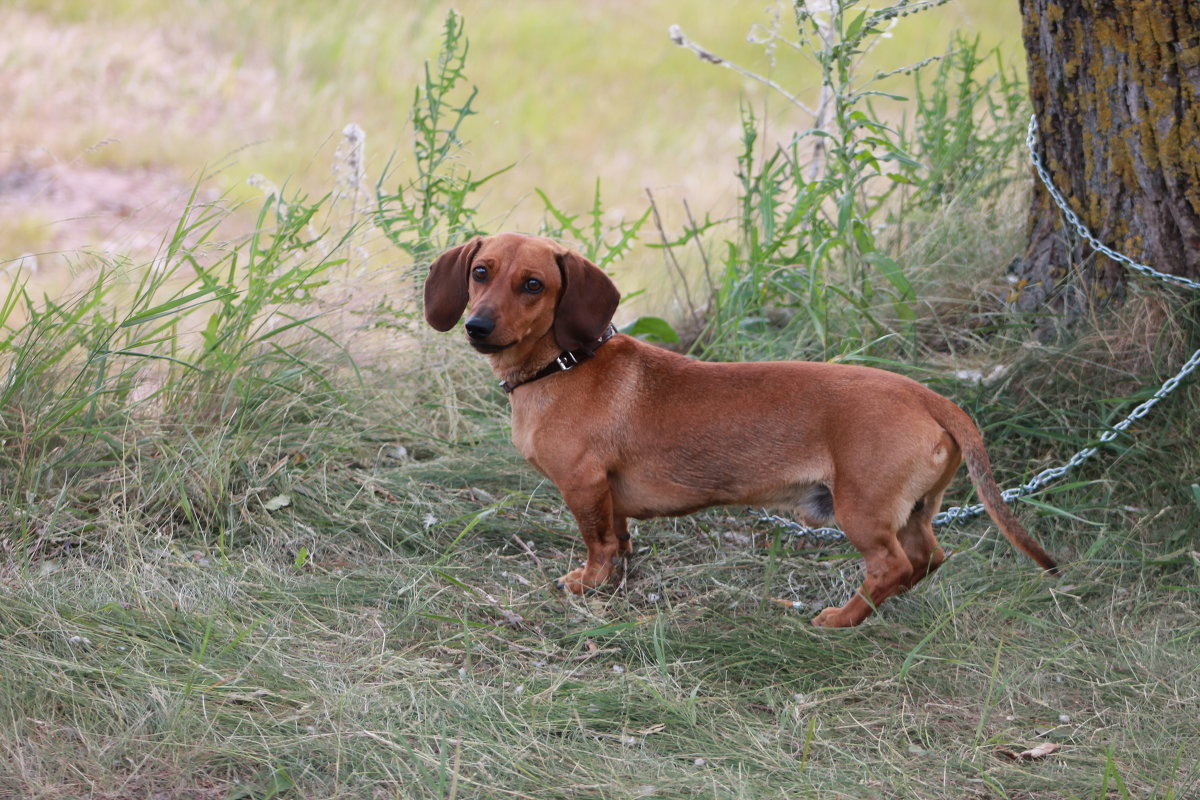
(479,273)
(533,286)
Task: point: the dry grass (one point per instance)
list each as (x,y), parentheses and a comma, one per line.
(420,651)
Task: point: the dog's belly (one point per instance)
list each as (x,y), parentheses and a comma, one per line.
(644,497)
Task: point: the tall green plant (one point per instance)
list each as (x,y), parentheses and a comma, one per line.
(207,338)
(967,126)
(778,230)
(807,240)
(600,242)
(605,243)
(436,207)
(864,159)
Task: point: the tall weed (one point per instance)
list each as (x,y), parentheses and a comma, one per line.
(819,216)
(599,241)
(436,208)
(211,342)
(966,128)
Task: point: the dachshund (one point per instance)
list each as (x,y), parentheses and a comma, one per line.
(625,429)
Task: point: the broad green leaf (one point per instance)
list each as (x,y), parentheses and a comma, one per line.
(651,328)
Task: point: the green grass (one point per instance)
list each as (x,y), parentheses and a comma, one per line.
(402,656)
(167,630)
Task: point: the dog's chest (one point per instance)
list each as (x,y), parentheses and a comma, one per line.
(525,417)
(522,439)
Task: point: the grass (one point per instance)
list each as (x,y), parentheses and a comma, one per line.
(262,534)
(431,658)
(167,630)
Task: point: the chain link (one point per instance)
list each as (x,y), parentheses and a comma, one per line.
(1047,475)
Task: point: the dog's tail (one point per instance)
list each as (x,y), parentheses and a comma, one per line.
(970,441)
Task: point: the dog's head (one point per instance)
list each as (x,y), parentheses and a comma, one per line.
(520,289)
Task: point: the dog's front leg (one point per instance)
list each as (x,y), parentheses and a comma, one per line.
(605,536)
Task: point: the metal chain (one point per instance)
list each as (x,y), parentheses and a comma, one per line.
(1081,229)
(797,529)
(1045,476)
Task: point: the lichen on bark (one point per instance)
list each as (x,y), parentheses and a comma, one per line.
(1115,85)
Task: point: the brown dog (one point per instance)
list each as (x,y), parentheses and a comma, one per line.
(625,429)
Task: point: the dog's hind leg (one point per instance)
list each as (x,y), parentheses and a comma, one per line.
(624,540)
(920,545)
(916,535)
(889,570)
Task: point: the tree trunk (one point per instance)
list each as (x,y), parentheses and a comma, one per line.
(1115,85)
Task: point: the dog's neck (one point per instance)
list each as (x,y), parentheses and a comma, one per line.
(517,367)
(547,359)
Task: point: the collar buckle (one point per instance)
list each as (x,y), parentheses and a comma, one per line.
(567,360)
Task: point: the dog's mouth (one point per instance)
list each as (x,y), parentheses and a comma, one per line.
(489,349)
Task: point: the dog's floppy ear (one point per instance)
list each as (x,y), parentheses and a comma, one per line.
(446,286)
(586,305)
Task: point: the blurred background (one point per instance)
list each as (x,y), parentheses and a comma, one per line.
(114,112)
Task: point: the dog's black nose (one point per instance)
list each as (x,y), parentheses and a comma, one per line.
(480,327)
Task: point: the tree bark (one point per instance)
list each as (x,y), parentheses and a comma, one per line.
(1115,85)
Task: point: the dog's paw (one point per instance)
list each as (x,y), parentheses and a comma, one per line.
(581,580)
(832,617)
(573,582)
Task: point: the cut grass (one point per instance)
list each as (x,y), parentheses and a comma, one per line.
(166,630)
(418,649)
